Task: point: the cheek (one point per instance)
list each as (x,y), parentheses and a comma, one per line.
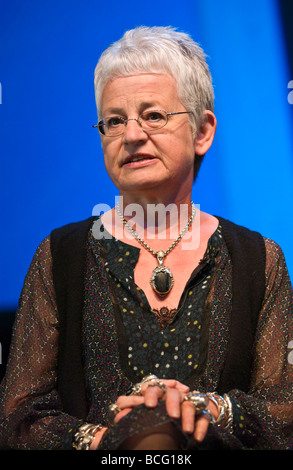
(180,150)
(109,161)
(110,152)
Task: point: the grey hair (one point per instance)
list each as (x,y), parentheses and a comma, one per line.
(160,50)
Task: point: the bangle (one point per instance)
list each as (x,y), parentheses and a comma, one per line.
(229,417)
(223,403)
(84,436)
(220,404)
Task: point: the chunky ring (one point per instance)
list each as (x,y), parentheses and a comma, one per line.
(157,383)
(207,414)
(113,411)
(199,400)
(136,389)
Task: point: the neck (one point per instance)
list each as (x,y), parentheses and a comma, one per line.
(156,219)
(164,194)
(152,209)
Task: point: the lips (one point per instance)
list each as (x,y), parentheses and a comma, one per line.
(137,158)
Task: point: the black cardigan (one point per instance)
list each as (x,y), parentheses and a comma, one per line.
(68,247)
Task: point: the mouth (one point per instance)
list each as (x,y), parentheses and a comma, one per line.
(139,159)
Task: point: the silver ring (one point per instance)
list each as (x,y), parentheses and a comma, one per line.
(136,389)
(157,383)
(208,415)
(113,411)
(199,400)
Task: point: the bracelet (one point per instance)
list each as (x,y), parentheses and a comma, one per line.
(224,405)
(84,436)
(229,420)
(220,404)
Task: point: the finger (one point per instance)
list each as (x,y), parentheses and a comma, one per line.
(201,427)
(129,401)
(173,399)
(121,414)
(152,395)
(188,413)
(172,383)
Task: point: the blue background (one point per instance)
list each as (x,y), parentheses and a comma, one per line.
(52,168)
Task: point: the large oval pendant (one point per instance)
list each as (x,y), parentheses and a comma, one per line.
(162,280)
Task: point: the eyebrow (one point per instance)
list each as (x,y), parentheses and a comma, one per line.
(142,107)
(114,111)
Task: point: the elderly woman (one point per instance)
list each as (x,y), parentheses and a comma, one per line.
(167,330)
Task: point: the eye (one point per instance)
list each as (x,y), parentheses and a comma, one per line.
(113,121)
(153,116)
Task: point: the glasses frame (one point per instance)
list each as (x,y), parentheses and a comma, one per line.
(125,121)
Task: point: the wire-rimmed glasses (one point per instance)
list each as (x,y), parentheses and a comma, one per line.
(113,126)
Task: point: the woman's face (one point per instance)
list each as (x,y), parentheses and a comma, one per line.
(140,161)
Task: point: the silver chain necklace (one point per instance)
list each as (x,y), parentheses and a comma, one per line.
(162,279)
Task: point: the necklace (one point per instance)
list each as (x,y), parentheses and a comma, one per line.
(162,279)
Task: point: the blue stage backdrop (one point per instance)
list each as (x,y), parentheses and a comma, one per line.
(52,168)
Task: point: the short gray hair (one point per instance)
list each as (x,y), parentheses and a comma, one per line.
(160,50)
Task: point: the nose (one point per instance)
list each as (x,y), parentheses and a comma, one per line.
(133,132)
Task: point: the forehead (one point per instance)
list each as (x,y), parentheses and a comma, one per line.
(140,90)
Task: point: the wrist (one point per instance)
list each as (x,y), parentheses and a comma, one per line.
(97,439)
(84,436)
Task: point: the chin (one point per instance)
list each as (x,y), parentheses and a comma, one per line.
(142,184)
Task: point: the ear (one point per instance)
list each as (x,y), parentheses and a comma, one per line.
(206,134)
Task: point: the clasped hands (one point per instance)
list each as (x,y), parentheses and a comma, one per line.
(195,419)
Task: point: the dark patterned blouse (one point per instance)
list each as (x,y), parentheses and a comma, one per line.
(138,340)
